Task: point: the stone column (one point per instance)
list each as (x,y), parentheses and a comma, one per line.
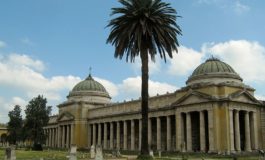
(149,132)
(158,132)
(247,132)
(202,131)
(178,131)
(99,134)
(67,136)
(140,134)
(94,134)
(59,136)
(255,131)
(132,135)
(168,133)
(111,135)
(47,137)
(63,136)
(50,137)
(88,135)
(54,137)
(73,136)
(231,122)
(189,135)
(124,135)
(237,131)
(118,136)
(52,141)
(210,131)
(105,135)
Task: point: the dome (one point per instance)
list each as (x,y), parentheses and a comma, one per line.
(215,71)
(89,84)
(89,91)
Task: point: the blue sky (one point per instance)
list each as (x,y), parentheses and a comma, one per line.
(46,47)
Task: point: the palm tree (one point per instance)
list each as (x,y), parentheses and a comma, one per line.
(141,28)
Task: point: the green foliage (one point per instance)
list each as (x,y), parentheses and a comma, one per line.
(148,25)
(37,116)
(14,125)
(142,28)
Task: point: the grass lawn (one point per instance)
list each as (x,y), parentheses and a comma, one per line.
(62,155)
(46,155)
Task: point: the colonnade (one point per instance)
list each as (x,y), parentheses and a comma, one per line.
(243,130)
(61,136)
(162,131)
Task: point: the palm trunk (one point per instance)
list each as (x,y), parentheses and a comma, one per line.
(144,103)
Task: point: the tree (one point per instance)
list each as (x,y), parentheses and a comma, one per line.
(14,125)
(37,116)
(142,28)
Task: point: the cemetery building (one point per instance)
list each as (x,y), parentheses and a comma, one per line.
(3,134)
(214,112)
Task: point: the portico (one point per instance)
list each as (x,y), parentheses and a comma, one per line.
(214,113)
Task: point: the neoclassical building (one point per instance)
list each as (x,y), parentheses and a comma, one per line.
(214,112)
(3,134)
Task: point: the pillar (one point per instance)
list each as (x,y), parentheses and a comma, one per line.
(158,132)
(118,136)
(50,137)
(210,131)
(168,133)
(178,131)
(59,136)
(189,135)
(73,136)
(132,135)
(255,131)
(67,136)
(63,137)
(53,135)
(231,122)
(202,131)
(124,135)
(89,130)
(99,134)
(94,135)
(247,132)
(237,131)
(149,132)
(140,134)
(105,135)
(111,135)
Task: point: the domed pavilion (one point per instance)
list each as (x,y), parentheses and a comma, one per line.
(214,113)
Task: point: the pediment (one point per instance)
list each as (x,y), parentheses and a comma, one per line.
(193,97)
(243,96)
(65,116)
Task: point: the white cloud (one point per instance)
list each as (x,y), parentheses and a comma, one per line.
(131,87)
(24,60)
(2,44)
(246,57)
(154,67)
(111,88)
(17,71)
(260,97)
(8,105)
(240,8)
(184,62)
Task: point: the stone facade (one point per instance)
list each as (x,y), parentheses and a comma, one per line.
(3,134)
(214,112)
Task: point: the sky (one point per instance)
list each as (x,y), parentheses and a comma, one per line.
(47,47)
